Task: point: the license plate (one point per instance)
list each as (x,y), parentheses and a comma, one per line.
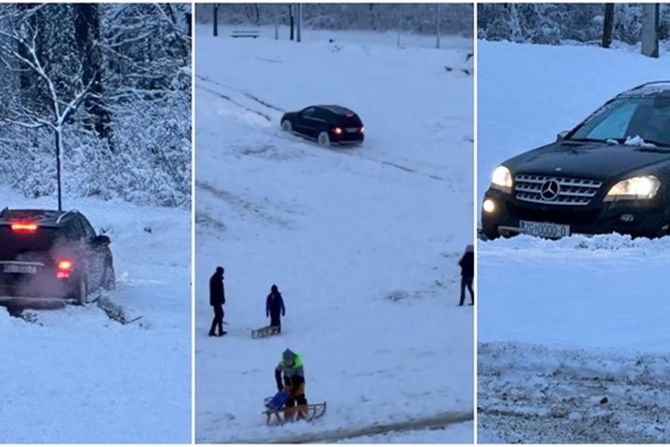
(352,129)
(18,268)
(544,229)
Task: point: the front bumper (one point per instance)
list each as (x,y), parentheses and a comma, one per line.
(624,217)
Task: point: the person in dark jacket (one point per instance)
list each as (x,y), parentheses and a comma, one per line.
(290,369)
(217,298)
(274,307)
(467,264)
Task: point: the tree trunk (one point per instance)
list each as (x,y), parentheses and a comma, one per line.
(650,21)
(216,19)
(437,25)
(608,25)
(189,24)
(371,7)
(87,33)
(58,168)
(298,35)
(290,19)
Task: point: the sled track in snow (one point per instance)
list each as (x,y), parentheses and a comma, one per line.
(435,422)
(532,394)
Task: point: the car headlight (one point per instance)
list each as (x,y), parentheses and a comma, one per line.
(502,179)
(635,188)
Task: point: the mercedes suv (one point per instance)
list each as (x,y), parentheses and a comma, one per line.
(611,173)
(52,254)
(325,124)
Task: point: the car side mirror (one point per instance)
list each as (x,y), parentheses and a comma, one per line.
(561,135)
(102,240)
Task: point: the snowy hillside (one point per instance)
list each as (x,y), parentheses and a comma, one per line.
(73,375)
(361,241)
(572,332)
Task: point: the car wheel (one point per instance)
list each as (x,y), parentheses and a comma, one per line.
(286,125)
(109,279)
(81,294)
(324,139)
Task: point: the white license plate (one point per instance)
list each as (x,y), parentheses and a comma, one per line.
(352,129)
(544,229)
(18,268)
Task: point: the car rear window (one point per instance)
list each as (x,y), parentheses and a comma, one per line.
(349,120)
(13,243)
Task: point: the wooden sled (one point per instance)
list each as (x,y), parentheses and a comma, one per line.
(266,331)
(305,413)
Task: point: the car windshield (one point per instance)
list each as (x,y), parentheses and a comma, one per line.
(626,119)
(350,119)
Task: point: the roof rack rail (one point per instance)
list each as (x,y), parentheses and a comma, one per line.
(646,84)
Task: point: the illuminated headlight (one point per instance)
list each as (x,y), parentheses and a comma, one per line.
(636,188)
(489,206)
(502,179)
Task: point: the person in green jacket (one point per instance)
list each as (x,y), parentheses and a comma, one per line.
(290,369)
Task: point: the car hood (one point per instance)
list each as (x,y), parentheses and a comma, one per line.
(599,161)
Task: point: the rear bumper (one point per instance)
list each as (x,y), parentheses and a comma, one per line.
(34,286)
(347,140)
(634,218)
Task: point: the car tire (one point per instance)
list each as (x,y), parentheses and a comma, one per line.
(109,278)
(81,294)
(323,139)
(286,125)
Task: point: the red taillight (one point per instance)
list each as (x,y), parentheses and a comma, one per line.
(27,227)
(63,268)
(337,130)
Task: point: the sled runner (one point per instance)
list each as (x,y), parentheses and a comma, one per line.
(277,413)
(283,415)
(266,331)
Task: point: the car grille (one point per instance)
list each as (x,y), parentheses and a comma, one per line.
(570,191)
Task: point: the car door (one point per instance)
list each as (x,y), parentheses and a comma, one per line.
(308,122)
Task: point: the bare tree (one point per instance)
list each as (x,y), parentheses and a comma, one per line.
(437,25)
(18,51)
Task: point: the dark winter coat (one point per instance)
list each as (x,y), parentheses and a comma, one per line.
(467,264)
(274,304)
(217,295)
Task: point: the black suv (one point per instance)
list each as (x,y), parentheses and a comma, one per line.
(53,254)
(611,173)
(325,124)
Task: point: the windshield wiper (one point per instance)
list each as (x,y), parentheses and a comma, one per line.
(586,140)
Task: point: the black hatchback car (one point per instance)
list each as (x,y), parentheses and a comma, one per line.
(611,173)
(325,124)
(52,254)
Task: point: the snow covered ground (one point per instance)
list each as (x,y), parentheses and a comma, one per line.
(72,375)
(572,333)
(363,242)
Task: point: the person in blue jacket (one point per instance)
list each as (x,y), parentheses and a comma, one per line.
(274,307)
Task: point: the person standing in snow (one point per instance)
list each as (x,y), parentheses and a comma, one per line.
(290,367)
(467,264)
(217,298)
(274,307)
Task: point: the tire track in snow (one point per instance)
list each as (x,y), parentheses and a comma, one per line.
(532,394)
(435,422)
(243,205)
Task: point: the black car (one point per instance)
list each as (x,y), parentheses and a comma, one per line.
(54,254)
(611,173)
(325,124)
